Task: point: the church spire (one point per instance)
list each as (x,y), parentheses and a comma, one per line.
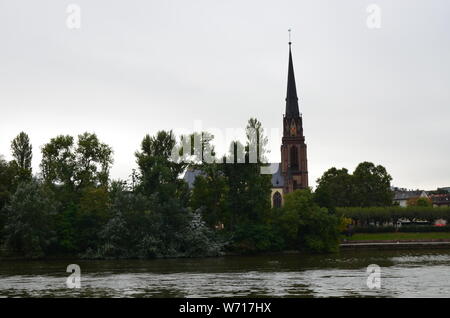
(291,96)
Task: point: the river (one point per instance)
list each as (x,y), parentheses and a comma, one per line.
(404,273)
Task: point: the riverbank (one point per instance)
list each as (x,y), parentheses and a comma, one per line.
(397,240)
(397,245)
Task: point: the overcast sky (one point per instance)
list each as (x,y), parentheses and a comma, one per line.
(136,67)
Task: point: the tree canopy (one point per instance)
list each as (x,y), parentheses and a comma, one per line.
(73,207)
(369,185)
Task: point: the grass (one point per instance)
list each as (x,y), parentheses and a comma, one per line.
(398,236)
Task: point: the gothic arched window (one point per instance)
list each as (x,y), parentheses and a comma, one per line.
(294,157)
(277,200)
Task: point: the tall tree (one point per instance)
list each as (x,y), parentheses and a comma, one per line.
(210,195)
(158,172)
(94,160)
(28,229)
(76,167)
(256,141)
(22,152)
(335,188)
(78,174)
(58,163)
(234,191)
(249,190)
(91,216)
(305,225)
(7,184)
(7,188)
(369,185)
(373,185)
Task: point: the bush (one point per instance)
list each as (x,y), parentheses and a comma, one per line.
(374,229)
(199,240)
(28,229)
(253,238)
(306,226)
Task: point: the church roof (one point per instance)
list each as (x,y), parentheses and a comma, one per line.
(291,95)
(405,195)
(277,178)
(191,174)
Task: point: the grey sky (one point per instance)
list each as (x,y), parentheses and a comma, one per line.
(135,67)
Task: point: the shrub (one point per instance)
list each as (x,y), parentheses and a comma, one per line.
(305,225)
(253,238)
(28,229)
(374,229)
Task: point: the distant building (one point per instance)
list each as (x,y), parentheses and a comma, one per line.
(401,196)
(191,175)
(440,200)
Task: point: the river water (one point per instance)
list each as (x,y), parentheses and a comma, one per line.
(404,273)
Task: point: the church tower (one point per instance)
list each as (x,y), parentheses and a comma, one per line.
(294,167)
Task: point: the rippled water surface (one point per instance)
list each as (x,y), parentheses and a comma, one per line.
(421,273)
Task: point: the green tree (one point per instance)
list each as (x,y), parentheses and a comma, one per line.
(7,182)
(422,202)
(256,141)
(86,164)
(249,190)
(7,187)
(93,161)
(78,174)
(130,223)
(305,225)
(369,185)
(158,172)
(28,230)
(59,167)
(373,185)
(210,194)
(167,194)
(335,189)
(200,240)
(233,191)
(91,216)
(116,237)
(259,237)
(22,152)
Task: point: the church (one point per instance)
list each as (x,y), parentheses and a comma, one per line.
(292,173)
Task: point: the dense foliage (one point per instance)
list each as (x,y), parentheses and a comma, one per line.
(368,186)
(28,227)
(72,207)
(75,209)
(306,225)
